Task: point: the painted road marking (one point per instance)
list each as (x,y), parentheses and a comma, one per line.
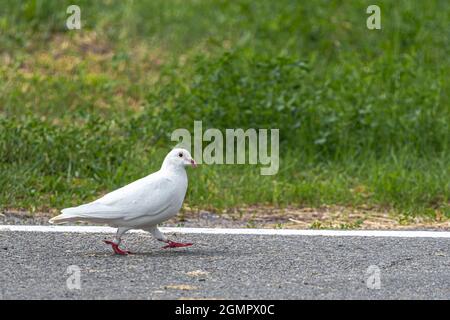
(278,232)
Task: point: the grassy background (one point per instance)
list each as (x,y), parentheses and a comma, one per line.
(363,115)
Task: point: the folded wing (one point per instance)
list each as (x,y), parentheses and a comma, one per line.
(148,196)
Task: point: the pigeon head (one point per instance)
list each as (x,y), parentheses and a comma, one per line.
(179,157)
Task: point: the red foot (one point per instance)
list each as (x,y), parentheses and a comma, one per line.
(116,248)
(173,244)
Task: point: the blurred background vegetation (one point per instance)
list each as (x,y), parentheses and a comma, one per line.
(363,114)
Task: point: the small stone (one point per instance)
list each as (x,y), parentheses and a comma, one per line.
(180,287)
(197,273)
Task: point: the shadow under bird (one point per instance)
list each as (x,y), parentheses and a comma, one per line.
(142,204)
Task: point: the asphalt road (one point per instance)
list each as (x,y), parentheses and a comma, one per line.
(34,266)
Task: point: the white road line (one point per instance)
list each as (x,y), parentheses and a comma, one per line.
(280,232)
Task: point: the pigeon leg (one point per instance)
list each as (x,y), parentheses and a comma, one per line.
(173,244)
(115,244)
(161,237)
(116,248)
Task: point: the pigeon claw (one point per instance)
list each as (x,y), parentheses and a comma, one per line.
(116,248)
(173,244)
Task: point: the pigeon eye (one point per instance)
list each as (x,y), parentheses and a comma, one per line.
(180,155)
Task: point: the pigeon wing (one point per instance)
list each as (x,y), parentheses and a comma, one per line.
(147,196)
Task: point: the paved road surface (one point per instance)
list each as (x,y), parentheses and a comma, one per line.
(34,266)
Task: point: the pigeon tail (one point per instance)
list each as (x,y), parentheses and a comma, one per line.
(71,214)
(60,219)
(66,216)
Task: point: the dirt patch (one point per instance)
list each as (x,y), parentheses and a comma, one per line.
(327,217)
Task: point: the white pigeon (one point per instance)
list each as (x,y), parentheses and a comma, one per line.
(142,204)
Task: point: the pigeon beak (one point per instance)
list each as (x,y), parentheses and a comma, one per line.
(193,163)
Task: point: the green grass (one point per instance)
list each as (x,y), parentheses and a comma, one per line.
(363,115)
